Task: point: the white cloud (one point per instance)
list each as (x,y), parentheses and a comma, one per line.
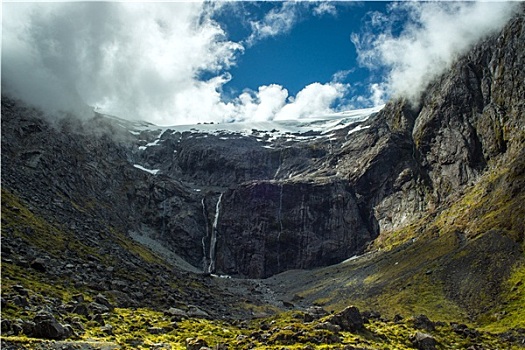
(314,99)
(377,94)
(162,62)
(133,59)
(263,104)
(279,20)
(325,8)
(435,35)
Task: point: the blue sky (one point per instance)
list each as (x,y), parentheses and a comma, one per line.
(188,62)
(316,48)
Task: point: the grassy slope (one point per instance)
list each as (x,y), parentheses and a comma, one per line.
(464,263)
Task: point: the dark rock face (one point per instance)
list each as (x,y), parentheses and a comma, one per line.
(273,226)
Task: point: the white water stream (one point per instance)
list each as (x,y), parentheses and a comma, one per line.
(213,239)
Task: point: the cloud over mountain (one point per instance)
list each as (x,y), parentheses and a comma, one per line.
(169,62)
(163,62)
(435,34)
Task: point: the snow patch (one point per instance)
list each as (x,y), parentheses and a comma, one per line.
(358,128)
(153,172)
(154,143)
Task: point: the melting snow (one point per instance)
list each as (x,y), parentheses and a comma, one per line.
(153,172)
(154,143)
(322,126)
(358,128)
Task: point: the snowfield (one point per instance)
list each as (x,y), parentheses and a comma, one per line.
(292,130)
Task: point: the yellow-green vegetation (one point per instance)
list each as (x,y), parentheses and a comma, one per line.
(32,280)
(511,313)
(495,201)
(19,221)
(493,204)
(145,329)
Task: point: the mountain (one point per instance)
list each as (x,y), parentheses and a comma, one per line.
(117,233)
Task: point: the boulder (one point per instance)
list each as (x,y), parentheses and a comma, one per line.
(102,300)
(176,313)
(6,326)
(80,309)
(423,341)
(39,265)
(97,308)
(349,319)
(195,343)
(314,313)
(423,322)
(328,326)
(46,326)
(194,311)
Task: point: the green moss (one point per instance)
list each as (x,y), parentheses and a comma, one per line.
(510,314)
(19,221)
(38,283)
(133,329)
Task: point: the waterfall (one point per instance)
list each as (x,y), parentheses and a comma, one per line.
(213,240)
(204,250)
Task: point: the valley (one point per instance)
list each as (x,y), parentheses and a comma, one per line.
(396,227)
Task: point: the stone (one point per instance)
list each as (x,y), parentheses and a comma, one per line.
(314,313)
(176,313)
(100,299)
(195,343)
(46,326)
(80,309)
(423,341)
(370,315)
(6,326)
(108,329)
(423,322)
(156,330)
(78,298)
(17,328)
(328,326)
(97,308)
(349,319)
(194,311)
(21,290)
(464,330)
(28,327)
(39,265)
(20,301)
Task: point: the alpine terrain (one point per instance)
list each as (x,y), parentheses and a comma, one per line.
(396,227)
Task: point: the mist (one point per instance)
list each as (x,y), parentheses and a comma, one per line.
(138,61)
(165,63)
(168,63)
(433,37)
